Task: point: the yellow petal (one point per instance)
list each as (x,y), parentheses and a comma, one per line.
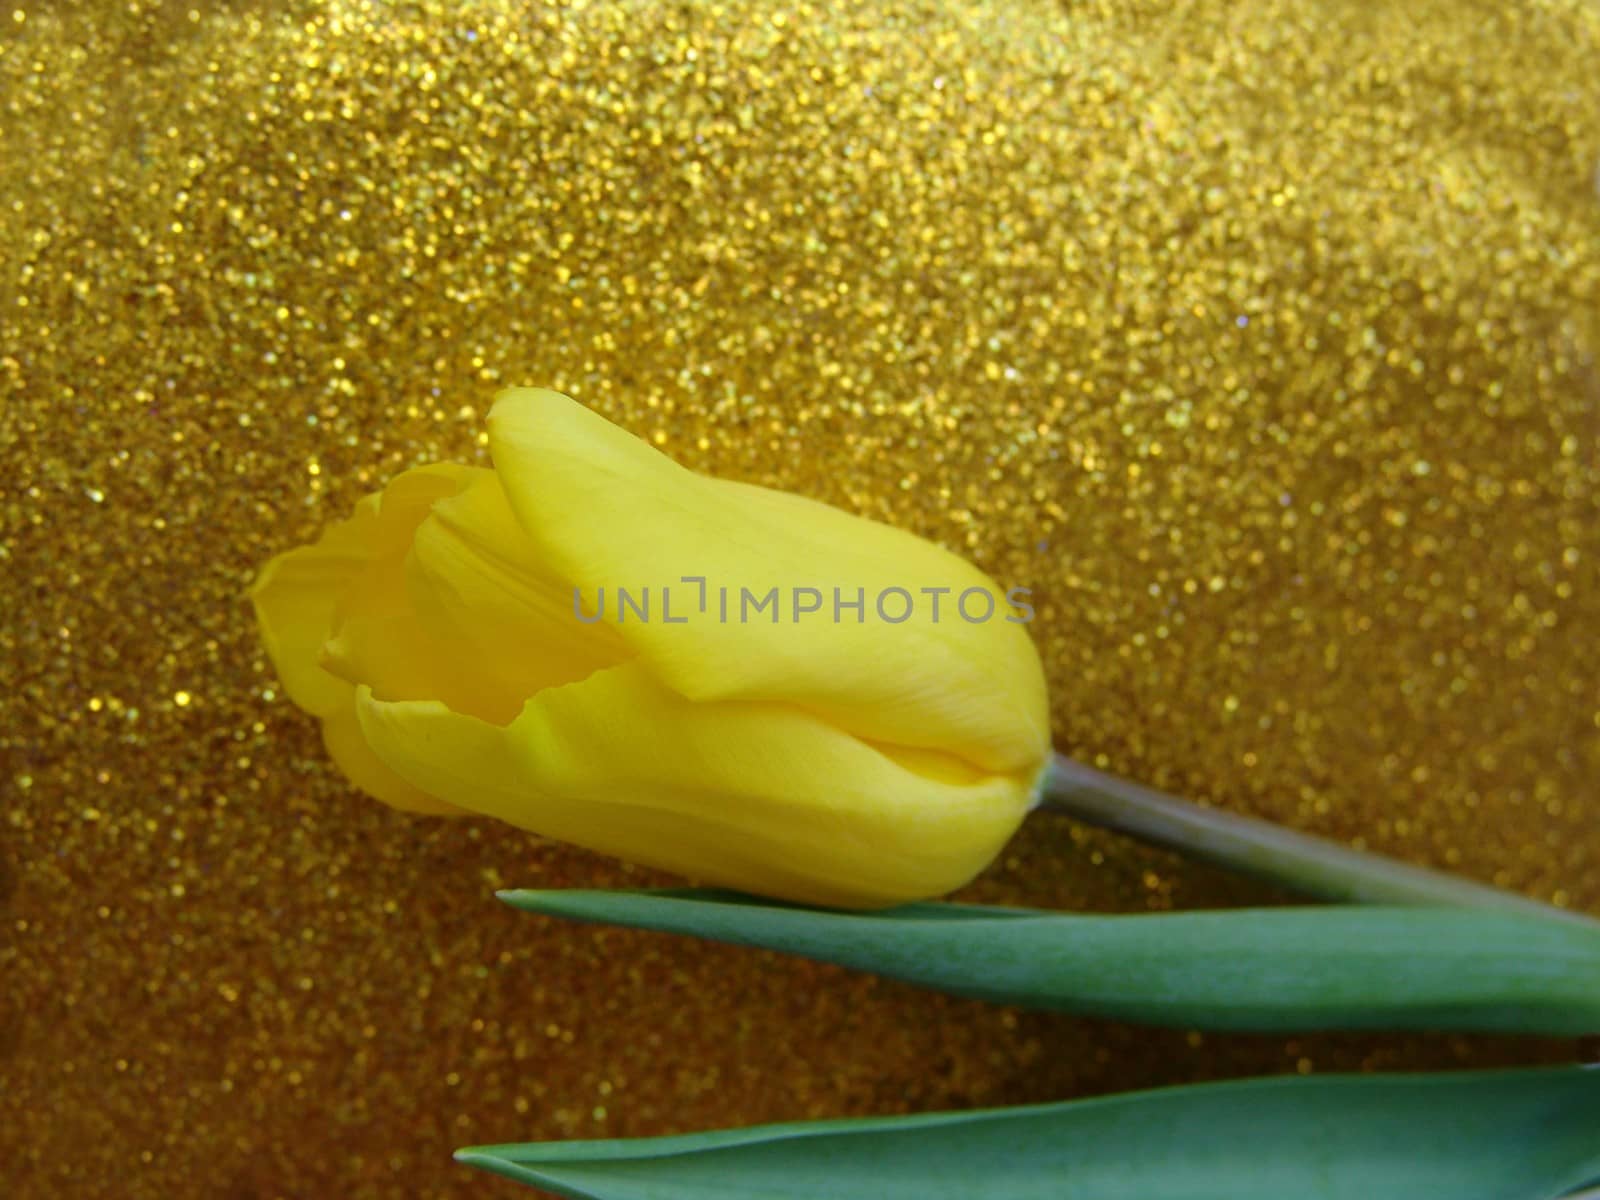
(475,583)
(380,639)
(294,598)
(607,511)
(764,798)
(299,597)
(399,659)
(404,503)
(341,735)
(341,593)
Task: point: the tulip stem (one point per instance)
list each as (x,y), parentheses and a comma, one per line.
(1298,861)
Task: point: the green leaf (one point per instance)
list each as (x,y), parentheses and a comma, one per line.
(1336,967)
(1492,1135)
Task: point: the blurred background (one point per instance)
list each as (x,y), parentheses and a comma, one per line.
(1258,338)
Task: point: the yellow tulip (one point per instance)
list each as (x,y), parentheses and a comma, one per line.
(736,684)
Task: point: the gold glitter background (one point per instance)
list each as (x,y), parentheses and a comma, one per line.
(1257,336)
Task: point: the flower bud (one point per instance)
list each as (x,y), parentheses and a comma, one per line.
(732,683)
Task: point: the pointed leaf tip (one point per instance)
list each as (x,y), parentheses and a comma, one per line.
(1289,969)
(1450,1136)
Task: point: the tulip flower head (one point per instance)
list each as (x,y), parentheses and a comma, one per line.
(732,683)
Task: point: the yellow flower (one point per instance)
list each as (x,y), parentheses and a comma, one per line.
(732,683)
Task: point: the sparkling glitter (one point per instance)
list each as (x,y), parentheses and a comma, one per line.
(1084,290)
